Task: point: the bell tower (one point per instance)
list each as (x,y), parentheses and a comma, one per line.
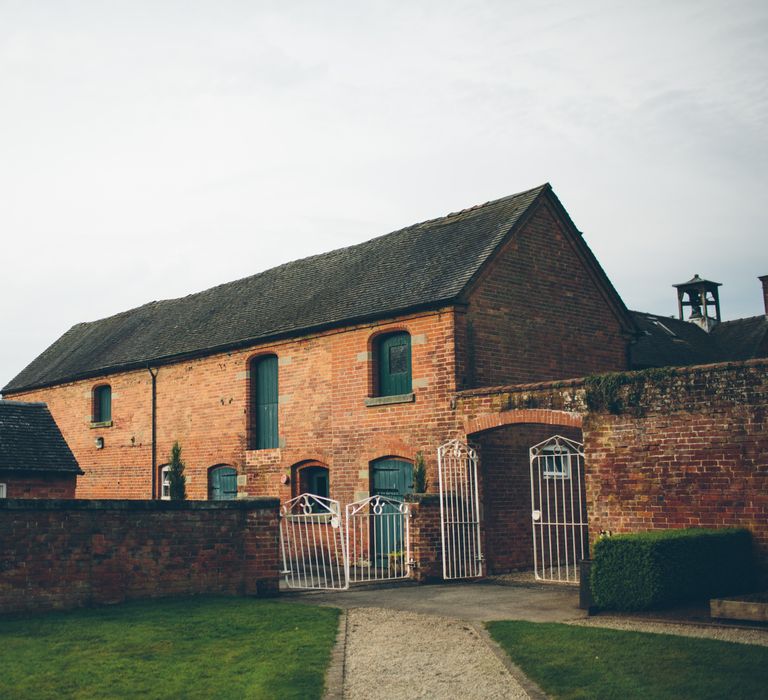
(702,297)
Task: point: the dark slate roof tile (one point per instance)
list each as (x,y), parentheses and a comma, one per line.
(416,267)
(30,440)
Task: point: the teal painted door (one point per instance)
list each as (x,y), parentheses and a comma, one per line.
(223,484)
(394,362)
(264,377)
(392,478)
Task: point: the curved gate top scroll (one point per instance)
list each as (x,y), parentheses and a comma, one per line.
(459,511)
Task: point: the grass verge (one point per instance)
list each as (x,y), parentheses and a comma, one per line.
(568,661)
(179,648)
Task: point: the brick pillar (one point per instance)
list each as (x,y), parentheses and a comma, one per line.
(426,548)
(261,550)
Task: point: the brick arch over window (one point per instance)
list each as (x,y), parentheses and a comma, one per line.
(489,421)
(390,366)
(222,482)
(310,476)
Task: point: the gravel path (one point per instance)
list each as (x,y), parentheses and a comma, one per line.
(725,634)
(398,654)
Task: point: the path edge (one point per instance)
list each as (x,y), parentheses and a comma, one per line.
(334,676)
(533,690)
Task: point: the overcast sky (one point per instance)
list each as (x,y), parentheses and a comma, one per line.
(153,149)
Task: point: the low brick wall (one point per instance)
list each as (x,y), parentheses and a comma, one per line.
(59,554)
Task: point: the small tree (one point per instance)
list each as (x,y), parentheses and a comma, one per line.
(420,481)
(177,482)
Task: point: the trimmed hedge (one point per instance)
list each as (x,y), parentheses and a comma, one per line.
(646,570)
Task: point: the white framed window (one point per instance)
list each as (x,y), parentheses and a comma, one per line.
(165,483)
(2,490)
(555,462)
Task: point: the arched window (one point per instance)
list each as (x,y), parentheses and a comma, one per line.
(165,484)
(264,402)
(102,404)
(393,364)
(314,479)
(222,483)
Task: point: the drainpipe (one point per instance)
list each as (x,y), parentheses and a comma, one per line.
(153,372)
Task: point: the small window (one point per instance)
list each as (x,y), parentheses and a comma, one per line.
(222,484)
(314,479)
(2,491)
(393,359)
(556,462)
(165,483)
(102,404)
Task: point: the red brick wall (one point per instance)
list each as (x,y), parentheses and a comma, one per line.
(506,492)
(536,313)
(31,485)
(694,452)
(204,403)
(67,554)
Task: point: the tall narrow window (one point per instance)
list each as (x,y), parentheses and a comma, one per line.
(102,404)
(264,402)
(393,358)
(165,483)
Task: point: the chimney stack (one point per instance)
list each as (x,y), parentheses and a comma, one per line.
(764,280)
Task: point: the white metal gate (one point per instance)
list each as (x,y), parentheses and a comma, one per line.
(312,543)
(559,509)
(459,511)
(378,539)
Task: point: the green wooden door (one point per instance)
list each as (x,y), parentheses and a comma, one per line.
(264,378)
(394,360)
(223,484)
(392,478)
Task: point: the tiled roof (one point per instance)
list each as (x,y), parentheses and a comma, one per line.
(742,339)
(421,266)
(668,341)
(30,440)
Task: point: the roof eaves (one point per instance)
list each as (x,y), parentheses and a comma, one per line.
(134,365)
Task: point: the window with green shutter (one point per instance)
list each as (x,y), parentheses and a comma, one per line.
(102,404)
(393,358)
(264,402)
(222,484)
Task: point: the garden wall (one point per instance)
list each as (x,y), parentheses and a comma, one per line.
(682,448)
(59,554)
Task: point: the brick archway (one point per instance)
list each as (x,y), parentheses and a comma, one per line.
(489,421)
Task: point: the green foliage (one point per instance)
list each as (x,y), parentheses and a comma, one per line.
(177,482)
(420,481)
(647,570)
(202,647)
(622,392)
(569,662)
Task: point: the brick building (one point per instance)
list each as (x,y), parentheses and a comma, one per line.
(35,460)
(330,373)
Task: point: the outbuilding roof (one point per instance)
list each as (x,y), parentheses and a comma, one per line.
(30,440)
(422,266)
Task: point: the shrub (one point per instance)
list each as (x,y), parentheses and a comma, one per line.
(648,570)
(420,481)
(177,482)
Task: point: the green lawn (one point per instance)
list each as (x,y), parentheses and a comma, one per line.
(588,662)
(180,648)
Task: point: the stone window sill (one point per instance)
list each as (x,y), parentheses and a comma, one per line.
(388,400)
(101,424)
